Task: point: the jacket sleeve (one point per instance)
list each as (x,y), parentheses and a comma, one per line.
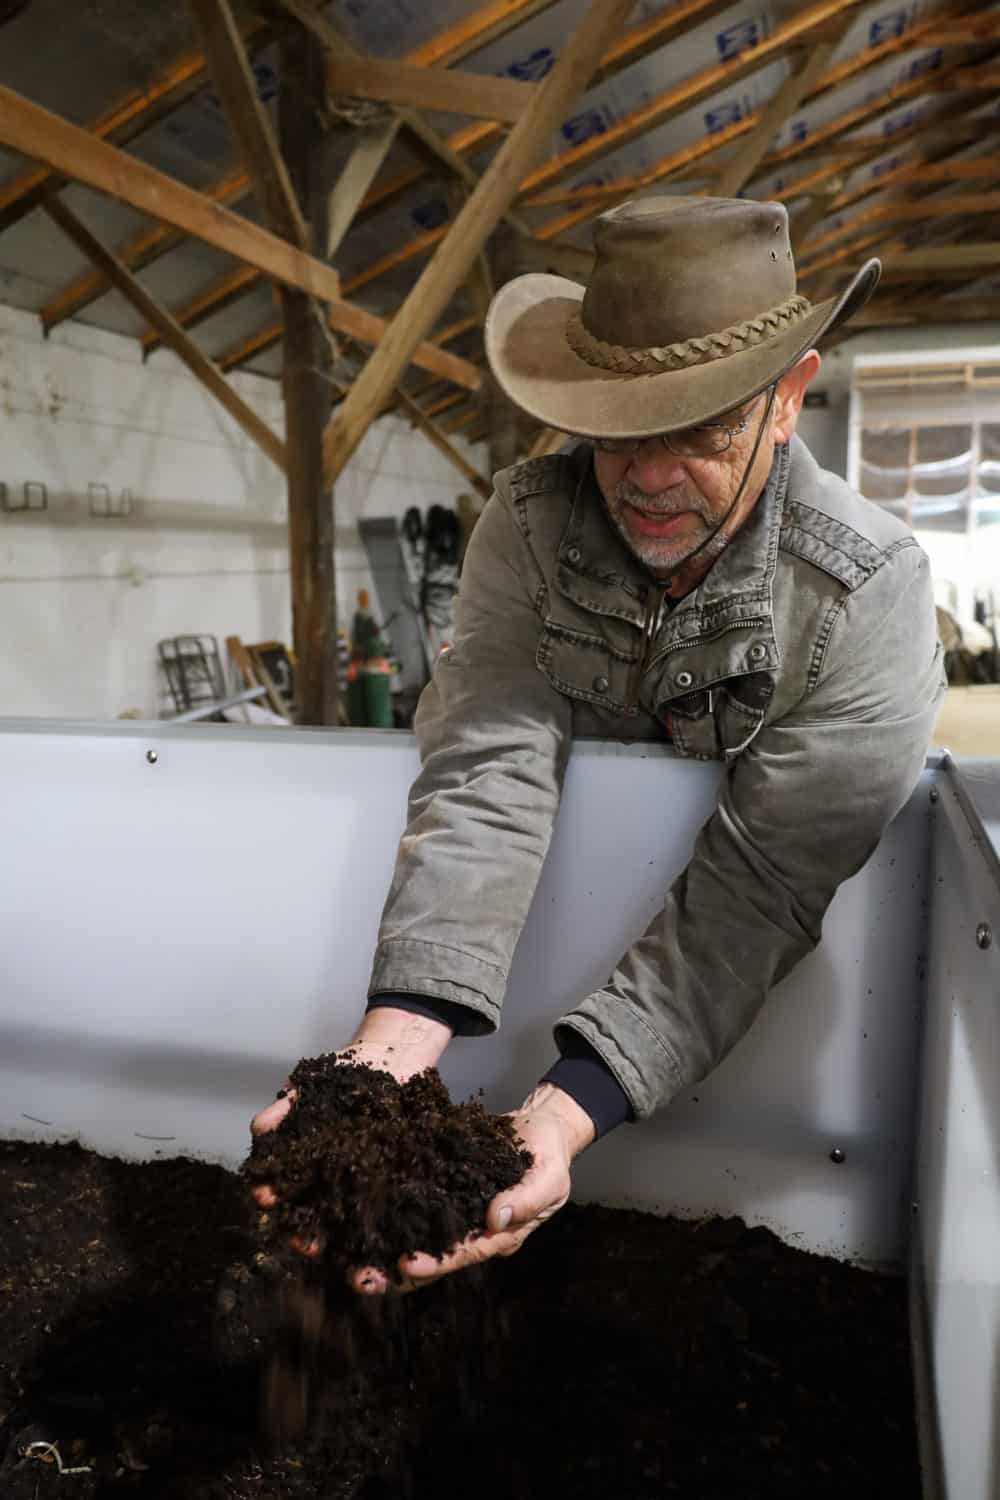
(799,812)
(493,737)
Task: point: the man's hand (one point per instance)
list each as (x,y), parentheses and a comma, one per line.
(392,1040)
(555,1129)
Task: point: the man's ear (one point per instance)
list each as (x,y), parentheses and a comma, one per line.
(790,394)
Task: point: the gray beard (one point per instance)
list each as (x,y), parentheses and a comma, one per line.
(628,493)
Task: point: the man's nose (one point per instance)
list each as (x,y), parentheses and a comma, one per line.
(653,468)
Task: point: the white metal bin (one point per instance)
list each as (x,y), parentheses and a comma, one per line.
(161,883)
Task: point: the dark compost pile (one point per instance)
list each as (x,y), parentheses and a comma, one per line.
(618,1357)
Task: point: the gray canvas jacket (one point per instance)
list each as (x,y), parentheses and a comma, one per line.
(807,660)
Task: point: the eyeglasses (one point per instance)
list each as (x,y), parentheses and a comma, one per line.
(707,441)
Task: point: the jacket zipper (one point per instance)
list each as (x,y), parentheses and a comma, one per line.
(679,645)
(651,629)
(652,621)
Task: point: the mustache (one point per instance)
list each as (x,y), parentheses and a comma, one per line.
(667,503)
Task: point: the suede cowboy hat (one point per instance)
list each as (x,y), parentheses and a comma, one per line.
(690,311)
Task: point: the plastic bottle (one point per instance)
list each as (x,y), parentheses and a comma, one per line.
(364,631)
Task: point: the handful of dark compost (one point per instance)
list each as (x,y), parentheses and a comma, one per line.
(373,1169)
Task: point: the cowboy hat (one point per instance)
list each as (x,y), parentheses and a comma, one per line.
(690,311)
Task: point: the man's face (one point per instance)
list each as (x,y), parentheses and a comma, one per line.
(667,507)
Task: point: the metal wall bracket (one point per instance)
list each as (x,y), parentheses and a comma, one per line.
(34,496)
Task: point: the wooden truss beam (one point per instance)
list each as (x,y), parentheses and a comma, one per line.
(982,259)
(137,112)
(802,81)
(815,209)
(433,433)
(346,57)
(372,145)
(928,310)
(259,343)
(72,152)
(898,212)
(139,250)
(349,197)
(932,138)
(900,264)
(471,228)
(829,20)
(958,76)
(198,363)
(592,201)
(946,26)
(668,103)
(134,113)
(248,120)
(478,94)
(798,31)
(923,174)
(487,23)
(632,46)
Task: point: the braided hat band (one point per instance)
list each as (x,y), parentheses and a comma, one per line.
(626,360)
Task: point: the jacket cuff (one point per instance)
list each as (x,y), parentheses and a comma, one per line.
(585,1077)
(630,1049)
(461,1020)
(410,966)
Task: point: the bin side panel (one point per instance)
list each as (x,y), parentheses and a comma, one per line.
(957,1206)
(178,928)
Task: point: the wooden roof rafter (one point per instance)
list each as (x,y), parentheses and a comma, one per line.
(70,151)
(675,162)
(138,111)
(823,23)
(204,371)
(900,211)
(633,45)
(961,25)
(128,118)
(679,161)
(476,220)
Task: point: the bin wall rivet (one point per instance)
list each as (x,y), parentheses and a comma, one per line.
(152,757)
(984,935)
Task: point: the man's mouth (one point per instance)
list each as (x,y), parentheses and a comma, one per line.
(657,523)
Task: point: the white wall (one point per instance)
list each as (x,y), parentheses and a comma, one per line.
(84,601)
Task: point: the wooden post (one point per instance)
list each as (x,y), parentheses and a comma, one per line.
(308,395)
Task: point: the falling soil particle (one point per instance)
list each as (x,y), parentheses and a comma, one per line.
(619,1356)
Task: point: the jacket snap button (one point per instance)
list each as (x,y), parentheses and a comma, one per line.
(758,652)
(684,679)
(601,684)
(573,555)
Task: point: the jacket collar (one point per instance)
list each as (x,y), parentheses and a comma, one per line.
(597,572)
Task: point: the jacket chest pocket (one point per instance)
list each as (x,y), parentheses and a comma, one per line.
(720,722)
(587,667)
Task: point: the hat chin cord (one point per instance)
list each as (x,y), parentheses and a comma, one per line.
(683,562)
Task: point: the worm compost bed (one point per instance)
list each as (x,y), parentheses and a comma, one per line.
(619,1355)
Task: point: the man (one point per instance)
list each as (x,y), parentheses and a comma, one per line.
(688,573)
